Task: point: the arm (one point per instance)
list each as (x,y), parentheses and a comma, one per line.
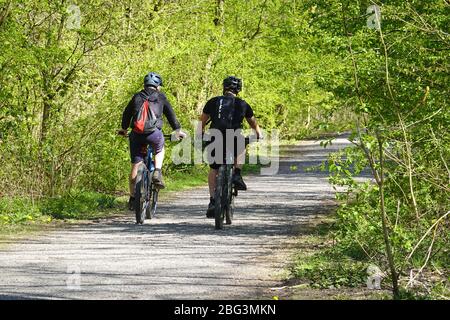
(204,118)
(170,115)
(127,115)
(203,121)
(254,125)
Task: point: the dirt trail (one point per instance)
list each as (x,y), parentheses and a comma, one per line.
(178,255)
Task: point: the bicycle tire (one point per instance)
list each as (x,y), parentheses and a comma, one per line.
(148,210)
(154,203)
(140,195)
(218,196)
(229,210)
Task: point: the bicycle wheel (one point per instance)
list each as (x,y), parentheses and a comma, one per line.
(148,209)
(154,204)
(219,198)
(229,210)
(140,193)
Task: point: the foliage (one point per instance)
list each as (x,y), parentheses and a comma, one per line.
(77,205)
(308,66)
(395,81)
(74,205)
(18,210)
(330,270)
(63,86)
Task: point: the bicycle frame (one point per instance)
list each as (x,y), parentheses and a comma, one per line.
(148,160)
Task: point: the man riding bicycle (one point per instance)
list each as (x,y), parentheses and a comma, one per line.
(156,104)
(235,109)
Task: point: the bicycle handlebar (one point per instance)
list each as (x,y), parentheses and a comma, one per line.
(248,139)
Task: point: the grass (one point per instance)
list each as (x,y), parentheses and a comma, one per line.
(78,205)
(19,215)
(329,271)
(185,177)
(321,266)
(18,212)
(326,269)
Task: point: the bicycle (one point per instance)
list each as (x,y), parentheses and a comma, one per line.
(146,193)
(226,191)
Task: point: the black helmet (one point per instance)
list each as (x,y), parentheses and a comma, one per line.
(233,84)
(153,79)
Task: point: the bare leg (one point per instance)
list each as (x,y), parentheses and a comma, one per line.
(212,181)
(133,175)
(159,159)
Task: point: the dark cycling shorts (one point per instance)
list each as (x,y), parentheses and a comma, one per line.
(236,152)
(140,141)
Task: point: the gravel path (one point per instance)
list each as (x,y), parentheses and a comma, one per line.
(178,255)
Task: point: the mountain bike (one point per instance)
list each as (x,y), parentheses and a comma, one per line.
(226,191)
(146,193)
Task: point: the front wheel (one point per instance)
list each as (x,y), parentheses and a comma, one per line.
(140,194)
(151,210)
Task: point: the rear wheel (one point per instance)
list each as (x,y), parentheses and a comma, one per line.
(229,210)
(219,199)
(141,202)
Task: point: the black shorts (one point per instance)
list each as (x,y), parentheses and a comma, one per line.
(237,150)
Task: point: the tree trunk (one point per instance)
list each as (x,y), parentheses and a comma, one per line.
(387,241)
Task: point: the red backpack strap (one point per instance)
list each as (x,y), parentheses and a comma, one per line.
(147,99)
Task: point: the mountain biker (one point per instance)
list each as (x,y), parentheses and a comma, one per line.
(159,105)
(240,110)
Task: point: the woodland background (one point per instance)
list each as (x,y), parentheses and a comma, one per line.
(378,69)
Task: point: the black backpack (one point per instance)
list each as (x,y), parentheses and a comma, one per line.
(225,113)
(145,120)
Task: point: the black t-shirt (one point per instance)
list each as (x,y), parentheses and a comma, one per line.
(241,110)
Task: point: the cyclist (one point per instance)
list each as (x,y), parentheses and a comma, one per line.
(159,105)
(214,110)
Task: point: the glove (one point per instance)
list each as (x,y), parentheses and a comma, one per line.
(180,134)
